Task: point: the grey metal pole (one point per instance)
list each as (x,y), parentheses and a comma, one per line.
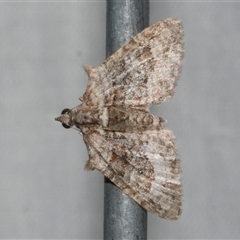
(123,217)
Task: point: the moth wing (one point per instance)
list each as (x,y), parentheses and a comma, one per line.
(142,72)
(143,165)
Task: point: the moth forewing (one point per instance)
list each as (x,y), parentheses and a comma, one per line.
(125,142)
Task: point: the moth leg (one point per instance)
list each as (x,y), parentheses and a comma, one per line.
(93,155)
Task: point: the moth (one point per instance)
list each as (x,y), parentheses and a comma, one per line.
(125,142)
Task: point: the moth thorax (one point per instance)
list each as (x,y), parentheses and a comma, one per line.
(87,117)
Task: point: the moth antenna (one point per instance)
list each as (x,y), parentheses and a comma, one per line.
(81,98)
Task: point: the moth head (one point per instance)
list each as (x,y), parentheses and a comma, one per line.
(65,118)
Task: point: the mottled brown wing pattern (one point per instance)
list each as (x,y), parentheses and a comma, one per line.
(143,72)
(143,165)
(125,142)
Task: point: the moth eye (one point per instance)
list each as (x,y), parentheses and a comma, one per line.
(65,125)
(65,110)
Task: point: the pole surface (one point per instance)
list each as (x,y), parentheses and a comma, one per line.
(123,217)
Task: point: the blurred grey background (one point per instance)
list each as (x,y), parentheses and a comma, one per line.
(44,190)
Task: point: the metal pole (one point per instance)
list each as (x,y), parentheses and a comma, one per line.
(123,217)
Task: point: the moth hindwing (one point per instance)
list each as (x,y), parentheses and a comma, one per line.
(125,142)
